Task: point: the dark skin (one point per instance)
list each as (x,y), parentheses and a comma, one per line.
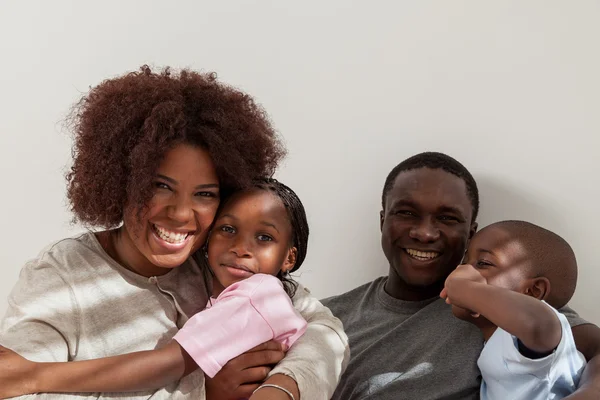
(500,287)
(252,231)
(429,210)
(426,211)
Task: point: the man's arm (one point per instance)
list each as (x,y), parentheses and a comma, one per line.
(527,318)
(587,340)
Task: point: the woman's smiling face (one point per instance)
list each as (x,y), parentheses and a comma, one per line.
(178,217)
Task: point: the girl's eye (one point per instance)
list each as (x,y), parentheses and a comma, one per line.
(227,229)
(264,238)
(483,264)
(205,194)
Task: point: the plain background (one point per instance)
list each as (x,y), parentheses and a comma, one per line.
(511,88)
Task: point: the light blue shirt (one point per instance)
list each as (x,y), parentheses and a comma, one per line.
(507,374)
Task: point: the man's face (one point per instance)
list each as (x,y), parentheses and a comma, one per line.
(426,225)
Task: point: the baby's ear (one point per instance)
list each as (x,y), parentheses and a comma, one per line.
(537,287)
(290,260)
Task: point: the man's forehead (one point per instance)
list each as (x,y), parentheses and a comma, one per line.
(433,185)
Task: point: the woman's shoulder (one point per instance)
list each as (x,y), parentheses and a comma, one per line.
(70,253)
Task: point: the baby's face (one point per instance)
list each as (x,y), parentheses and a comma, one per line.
(500,258)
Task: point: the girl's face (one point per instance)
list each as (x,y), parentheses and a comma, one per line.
(179,215)
(252,234)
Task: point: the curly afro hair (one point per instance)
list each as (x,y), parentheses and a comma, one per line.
(123,127)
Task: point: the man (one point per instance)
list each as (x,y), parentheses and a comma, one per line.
(404,341)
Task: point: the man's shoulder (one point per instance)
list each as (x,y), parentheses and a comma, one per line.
(344,302)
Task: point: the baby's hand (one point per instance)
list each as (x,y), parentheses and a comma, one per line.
(464,272)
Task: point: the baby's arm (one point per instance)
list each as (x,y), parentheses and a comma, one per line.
(523,316)
(139,371)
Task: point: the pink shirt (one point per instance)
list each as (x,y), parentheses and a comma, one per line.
(245,314)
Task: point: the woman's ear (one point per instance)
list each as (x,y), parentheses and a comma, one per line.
(290,260)
(537,287)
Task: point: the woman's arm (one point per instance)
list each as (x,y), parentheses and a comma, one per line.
(318,359)
(139,371)
(41,320)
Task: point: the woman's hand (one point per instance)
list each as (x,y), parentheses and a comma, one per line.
(243,374)
(17,374)
(271,393)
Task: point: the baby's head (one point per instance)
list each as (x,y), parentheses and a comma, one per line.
(525,258)
(262,229)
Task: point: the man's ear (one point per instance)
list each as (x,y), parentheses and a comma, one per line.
(537,287)
(473,229)
(381,219)
(290,260)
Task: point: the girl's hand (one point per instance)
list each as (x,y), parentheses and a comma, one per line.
(238,378)
(17,374)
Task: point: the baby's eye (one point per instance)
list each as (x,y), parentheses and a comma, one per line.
(483,264)
(264,238)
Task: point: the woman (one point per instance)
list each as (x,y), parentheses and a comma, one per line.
(153,155)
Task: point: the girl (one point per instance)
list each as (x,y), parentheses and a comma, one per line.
(260,235)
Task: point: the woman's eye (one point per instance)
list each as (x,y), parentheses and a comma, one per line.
(264,238)
(161,185)
(482,264)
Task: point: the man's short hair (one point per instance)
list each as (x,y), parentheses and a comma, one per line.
(435,160)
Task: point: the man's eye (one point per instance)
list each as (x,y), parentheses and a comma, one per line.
(405,213)
(448,218)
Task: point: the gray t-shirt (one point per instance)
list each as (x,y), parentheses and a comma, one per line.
(407,349)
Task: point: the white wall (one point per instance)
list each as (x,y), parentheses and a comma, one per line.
(510,88)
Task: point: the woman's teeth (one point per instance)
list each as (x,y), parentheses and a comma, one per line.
(168,236)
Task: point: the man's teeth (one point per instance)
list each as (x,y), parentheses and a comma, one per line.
(422,255)
(168,236)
